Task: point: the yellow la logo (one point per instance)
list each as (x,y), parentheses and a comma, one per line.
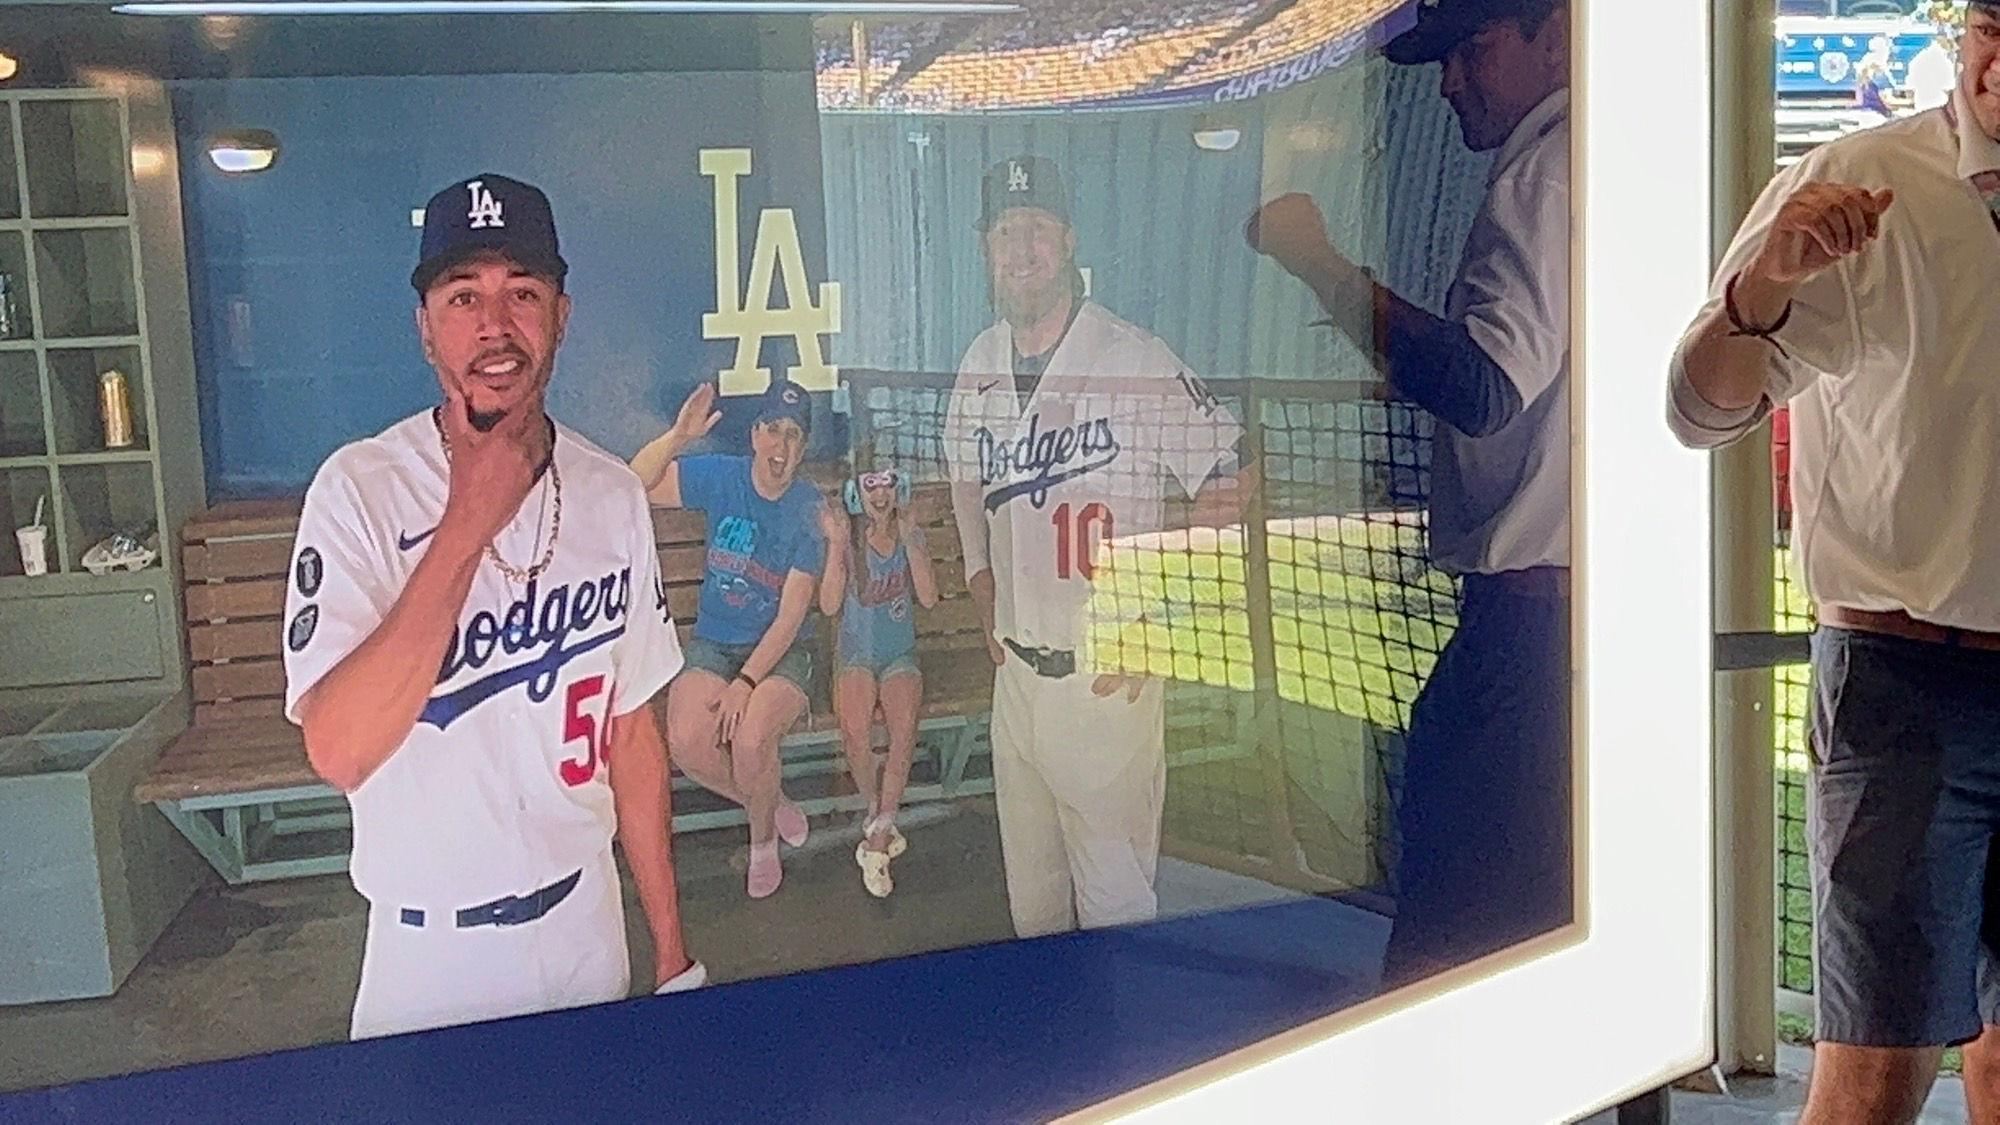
(749,316)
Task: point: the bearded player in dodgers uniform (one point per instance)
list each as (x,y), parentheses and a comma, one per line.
(474,628)
(1063,427)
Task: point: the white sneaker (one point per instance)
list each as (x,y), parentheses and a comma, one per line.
(874,870)
(897,845)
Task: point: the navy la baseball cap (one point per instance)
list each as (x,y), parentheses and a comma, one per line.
(1022,181)
(785,399)
(1443,24)
(489,213)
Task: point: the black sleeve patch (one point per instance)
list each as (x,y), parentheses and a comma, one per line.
(309,571)
(300,633)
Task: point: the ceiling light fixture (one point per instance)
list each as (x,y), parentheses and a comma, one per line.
(243,150)
(9,66)
(1217,140)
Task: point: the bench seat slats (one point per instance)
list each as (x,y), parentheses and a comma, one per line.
(237,558)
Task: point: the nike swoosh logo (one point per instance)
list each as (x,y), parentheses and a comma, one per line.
(984,387)
(406,541)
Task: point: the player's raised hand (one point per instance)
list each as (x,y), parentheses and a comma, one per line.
(1819,225)
(697,416)
(490,472)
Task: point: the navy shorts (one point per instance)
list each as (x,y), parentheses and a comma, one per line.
(1904,801)
(1484,822)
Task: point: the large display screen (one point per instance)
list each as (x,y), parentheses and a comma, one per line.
(631,502)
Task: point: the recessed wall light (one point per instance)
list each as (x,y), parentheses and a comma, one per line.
(243,150)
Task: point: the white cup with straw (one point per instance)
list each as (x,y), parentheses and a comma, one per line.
(34,543)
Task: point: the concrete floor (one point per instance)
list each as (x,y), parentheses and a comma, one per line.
(274,965)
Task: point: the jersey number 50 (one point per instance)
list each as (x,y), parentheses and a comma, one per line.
(1093,522)
(579,724)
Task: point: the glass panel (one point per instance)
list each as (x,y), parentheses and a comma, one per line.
(76,158)
(85,278)
(20,491)
(21,429)
(103,500)
(1006,257)
(76,384)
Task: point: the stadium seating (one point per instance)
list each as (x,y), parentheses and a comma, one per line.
(1064,52)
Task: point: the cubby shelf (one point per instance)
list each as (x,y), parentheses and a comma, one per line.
(70,311)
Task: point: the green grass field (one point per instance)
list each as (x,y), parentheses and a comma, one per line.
(1355,624)
(1355,621)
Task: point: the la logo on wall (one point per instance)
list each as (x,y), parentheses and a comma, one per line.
(748,315)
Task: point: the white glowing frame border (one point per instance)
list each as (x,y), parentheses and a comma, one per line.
(1623,1002)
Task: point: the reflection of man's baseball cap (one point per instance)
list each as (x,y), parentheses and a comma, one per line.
(1022,181)
(785,399)
(489,213)
(1443,24)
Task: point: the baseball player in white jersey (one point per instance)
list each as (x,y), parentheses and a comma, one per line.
(474,628)
(1063,426)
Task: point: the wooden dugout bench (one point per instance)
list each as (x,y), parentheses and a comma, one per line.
(237,784)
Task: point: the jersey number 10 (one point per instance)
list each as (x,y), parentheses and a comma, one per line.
(1093,522)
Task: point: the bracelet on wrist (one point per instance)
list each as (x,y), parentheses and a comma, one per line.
(1768,333)
(745,677)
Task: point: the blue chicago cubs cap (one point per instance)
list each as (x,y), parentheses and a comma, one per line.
(1443,24)
(489,213)
(1022,181)
(785,399)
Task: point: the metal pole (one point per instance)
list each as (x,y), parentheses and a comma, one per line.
(1744,154)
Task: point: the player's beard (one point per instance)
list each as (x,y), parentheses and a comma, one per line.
(1027,308)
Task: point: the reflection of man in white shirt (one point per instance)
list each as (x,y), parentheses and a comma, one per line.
(1931,75)
(1484,819)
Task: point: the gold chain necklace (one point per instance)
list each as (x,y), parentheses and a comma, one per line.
(515,573)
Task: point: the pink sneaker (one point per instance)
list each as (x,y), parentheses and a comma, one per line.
(791,823)
(765,870)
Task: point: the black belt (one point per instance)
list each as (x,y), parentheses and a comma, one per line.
(512,910)
(1051,662)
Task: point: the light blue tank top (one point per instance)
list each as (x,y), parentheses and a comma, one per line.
(876,624)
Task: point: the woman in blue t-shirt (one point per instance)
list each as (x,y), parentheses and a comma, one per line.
(749,668)
(876,562)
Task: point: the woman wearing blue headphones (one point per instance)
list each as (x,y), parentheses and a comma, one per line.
(876,563)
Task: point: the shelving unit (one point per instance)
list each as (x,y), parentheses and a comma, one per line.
(71,261)
(93,670)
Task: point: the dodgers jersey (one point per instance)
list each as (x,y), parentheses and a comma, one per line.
(1040,488)
(503,786)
